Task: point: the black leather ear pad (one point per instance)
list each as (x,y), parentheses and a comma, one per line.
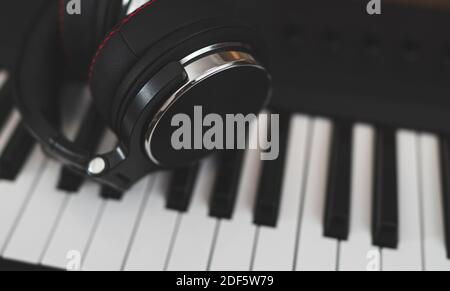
(159,32)
(81,33)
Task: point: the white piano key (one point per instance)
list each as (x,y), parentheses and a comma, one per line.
(408,256)
(38,220)
(135,4)
(275,248)
(235,240)
(358,254)
(315,252)
(109,245)
(433,219)
(8,129)
(153,238)
(193,243)
(76,225)
(3,78)
(14,195)
(82,213)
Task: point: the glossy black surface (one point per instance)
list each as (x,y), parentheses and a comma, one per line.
(445,168)
(226,186)
(109,193)
(239,90)
(181,188)
(8,265)
(269,194)
(6,102)
(16,153)
(385,215)
(337,207)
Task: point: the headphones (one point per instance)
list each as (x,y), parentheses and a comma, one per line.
(162,59)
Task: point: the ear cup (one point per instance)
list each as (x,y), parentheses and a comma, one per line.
(158,33)
(81,33)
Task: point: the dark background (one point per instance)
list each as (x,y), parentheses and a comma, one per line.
(331,58)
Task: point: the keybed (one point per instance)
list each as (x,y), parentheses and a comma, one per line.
(348,196)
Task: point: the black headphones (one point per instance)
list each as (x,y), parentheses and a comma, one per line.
(164,58)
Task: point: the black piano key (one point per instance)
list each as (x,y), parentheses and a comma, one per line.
(69,181)
(16,153)
(6,102)
(385,216)
(269,192)
(337,207)
(109,193)
(181,188)
(15,266)
(224,195)
(445,169)
(89,136)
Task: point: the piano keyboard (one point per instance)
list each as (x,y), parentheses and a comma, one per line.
(342,196)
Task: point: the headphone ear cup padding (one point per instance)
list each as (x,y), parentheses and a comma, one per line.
(153,25)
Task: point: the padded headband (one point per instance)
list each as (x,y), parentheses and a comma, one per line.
(38,81)
(81,34)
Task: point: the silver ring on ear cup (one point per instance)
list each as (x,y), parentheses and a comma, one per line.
(200,66)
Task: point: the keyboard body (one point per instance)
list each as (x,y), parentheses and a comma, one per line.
(331,58)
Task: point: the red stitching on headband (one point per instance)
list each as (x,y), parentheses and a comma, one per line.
(61,15)
(113,32)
